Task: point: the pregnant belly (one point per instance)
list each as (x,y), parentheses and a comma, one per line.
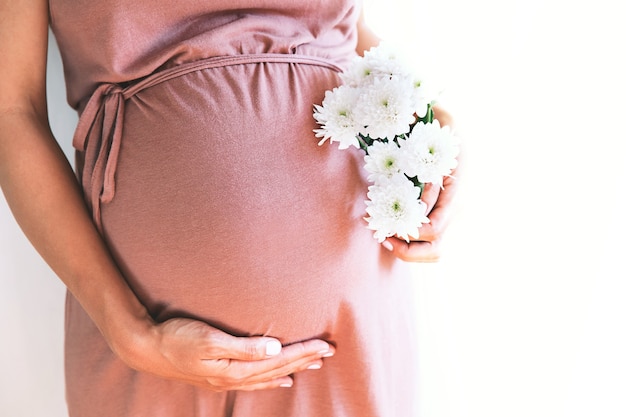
(226,209)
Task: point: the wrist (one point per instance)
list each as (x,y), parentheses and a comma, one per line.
(130,334)
(121,318)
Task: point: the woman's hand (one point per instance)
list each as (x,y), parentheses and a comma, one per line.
(439,201)
(193,352)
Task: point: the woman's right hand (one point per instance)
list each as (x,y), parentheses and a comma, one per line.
(191,351)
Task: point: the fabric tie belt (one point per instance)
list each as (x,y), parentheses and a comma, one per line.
(99,130)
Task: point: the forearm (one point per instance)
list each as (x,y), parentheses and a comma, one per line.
(43,194)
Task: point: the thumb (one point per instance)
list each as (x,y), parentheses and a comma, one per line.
(249,348)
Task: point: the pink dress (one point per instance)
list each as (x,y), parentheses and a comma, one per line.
(197,157)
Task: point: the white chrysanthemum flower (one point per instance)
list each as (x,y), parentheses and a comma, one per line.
(423,94)
(387,60)
(383,159)
(430,152)
(384,51)
(358,73)
(386,108)
(378,62)
(394,208)
(336,117)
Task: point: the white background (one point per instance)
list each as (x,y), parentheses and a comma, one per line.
(525,314)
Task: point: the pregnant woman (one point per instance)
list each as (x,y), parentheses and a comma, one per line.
(216,259)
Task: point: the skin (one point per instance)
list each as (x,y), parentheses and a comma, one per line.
(42,192)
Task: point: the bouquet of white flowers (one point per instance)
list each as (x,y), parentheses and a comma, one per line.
(384,109)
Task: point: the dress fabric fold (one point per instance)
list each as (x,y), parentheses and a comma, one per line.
(197,158)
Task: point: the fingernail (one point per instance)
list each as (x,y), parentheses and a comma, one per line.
(328,354)
(325,352)
(314,366)
(387,245)
(273,348)
(286,384)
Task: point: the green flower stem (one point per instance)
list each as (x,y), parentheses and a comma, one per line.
(416,183)
(429,116)
(363,142)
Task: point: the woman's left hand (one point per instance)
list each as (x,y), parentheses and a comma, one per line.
(426,248)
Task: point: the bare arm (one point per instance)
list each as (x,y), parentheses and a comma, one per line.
(44,196)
